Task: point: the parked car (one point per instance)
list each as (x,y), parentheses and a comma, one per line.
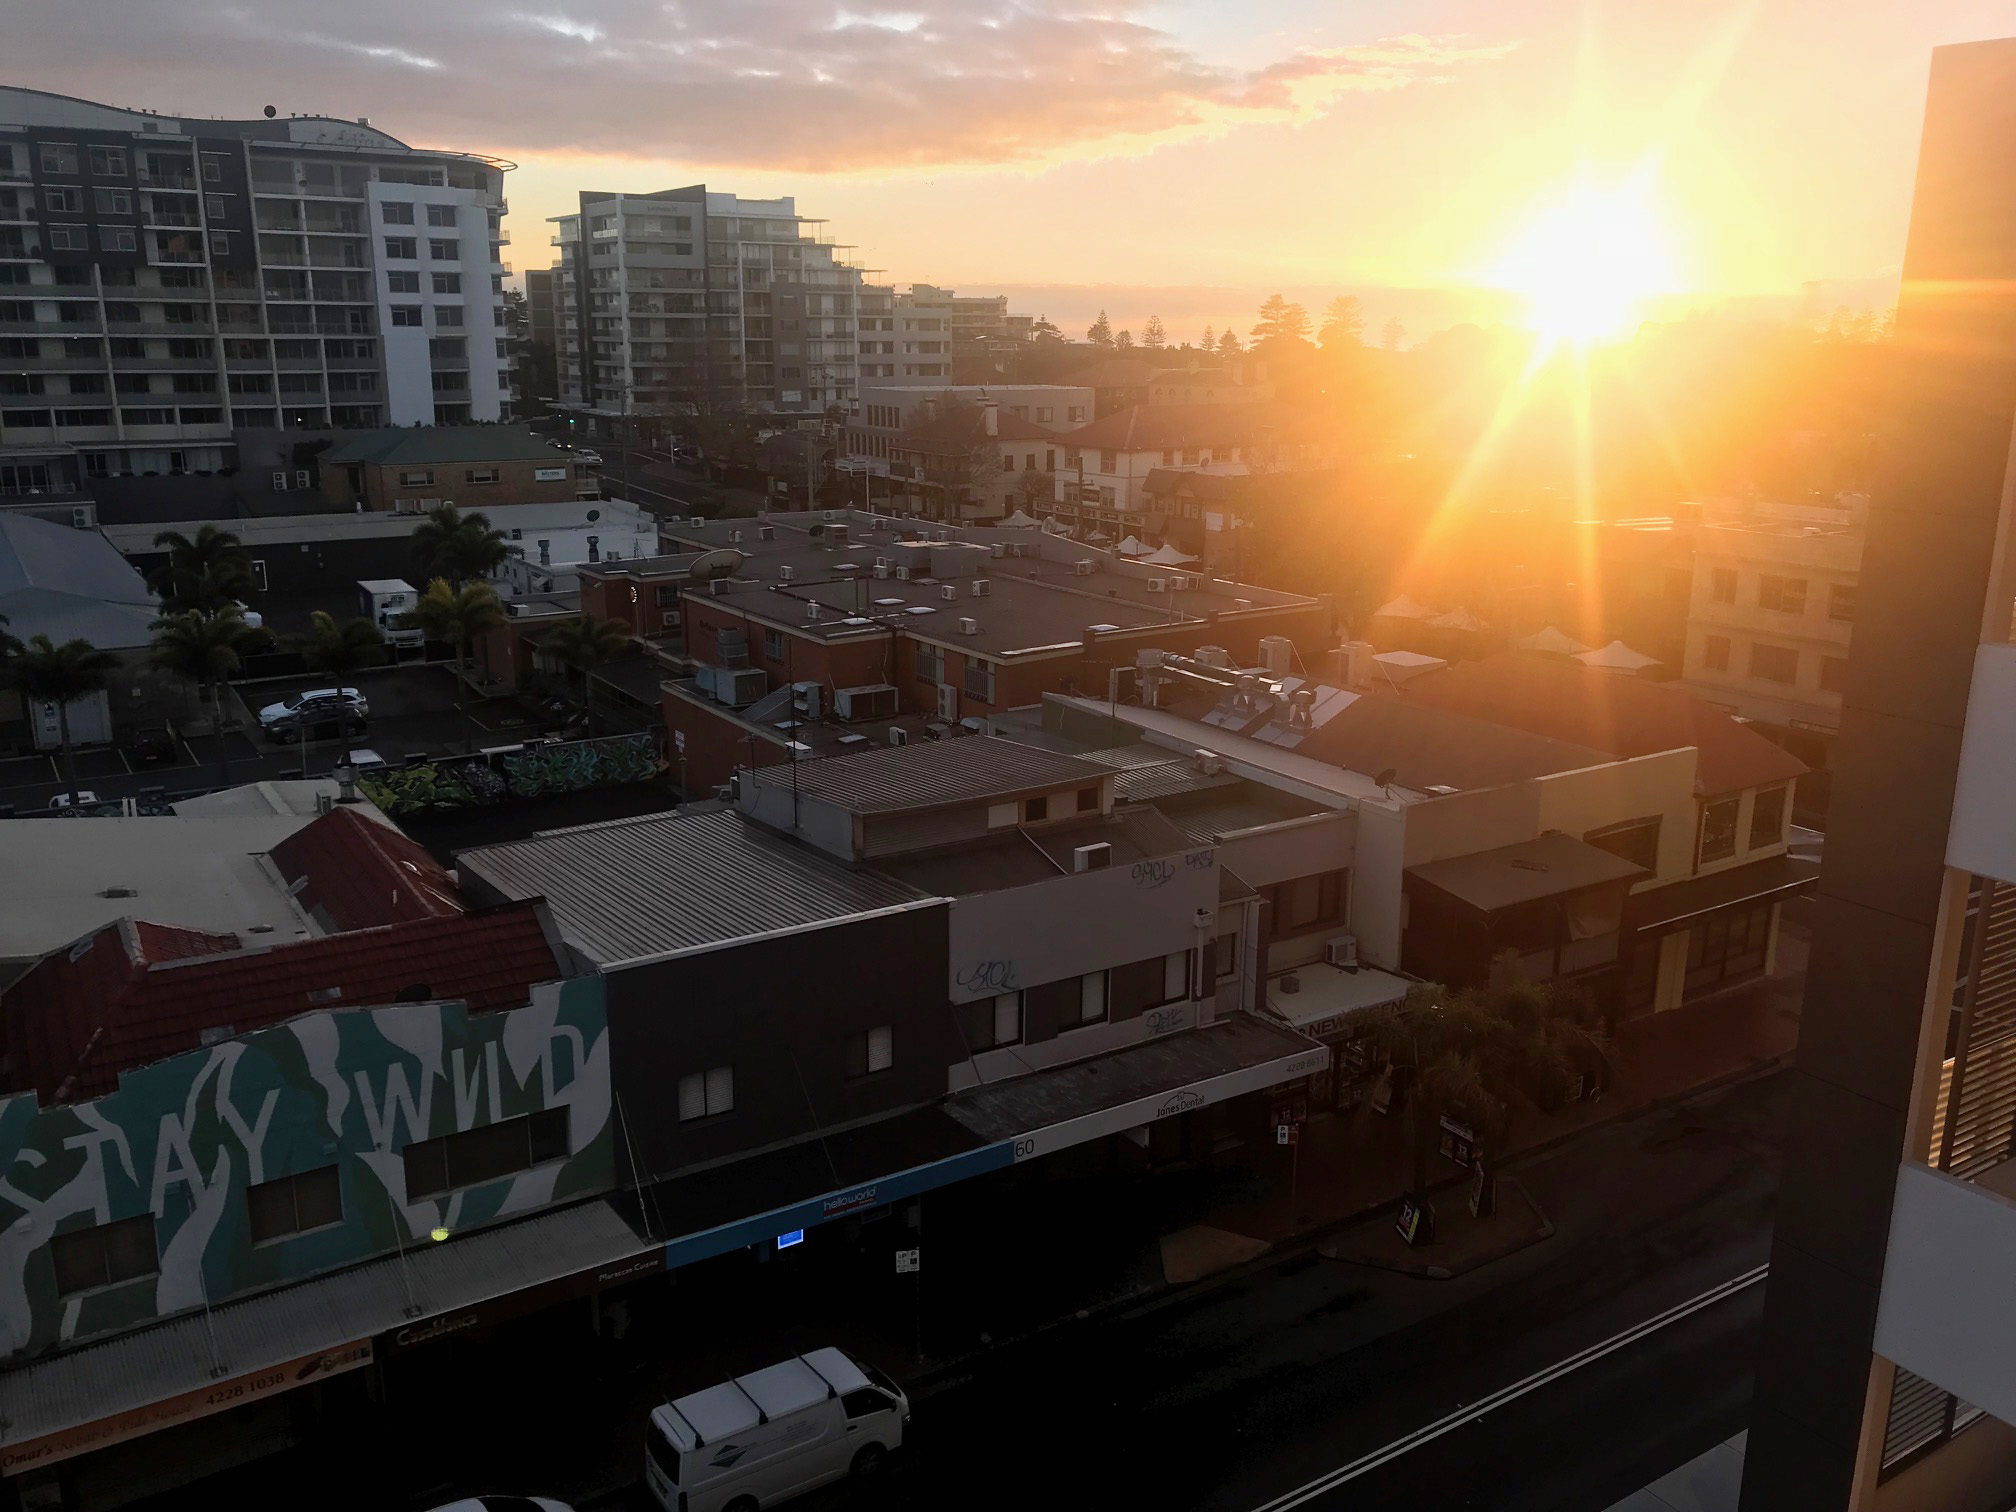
(317,711)
(592,458)
(148,742)
(773,1434)
(61,803)
(361,759)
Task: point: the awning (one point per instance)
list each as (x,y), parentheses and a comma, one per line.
(1669,907)
(151,1378)
(1158,1078)
(1543,867)
(1327,997)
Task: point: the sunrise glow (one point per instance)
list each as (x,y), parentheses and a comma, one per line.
(1586,264)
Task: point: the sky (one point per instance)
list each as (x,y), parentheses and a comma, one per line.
(1180,158)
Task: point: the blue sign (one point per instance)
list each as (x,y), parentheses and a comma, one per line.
(796,1236)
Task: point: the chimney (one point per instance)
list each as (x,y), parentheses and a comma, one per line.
(990,418)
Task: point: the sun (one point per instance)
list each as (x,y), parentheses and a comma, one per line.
(1586,263)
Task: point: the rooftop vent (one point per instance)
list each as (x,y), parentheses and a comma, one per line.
(969,627)
(982,587)
(1094,857)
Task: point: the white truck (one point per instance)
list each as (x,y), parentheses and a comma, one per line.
(773,1434)
(385,601)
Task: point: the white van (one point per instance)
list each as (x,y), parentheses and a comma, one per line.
(771,1435)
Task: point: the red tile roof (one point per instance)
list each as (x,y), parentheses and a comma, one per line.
(360,873)
(132,992)
(1169,427)
(1625,716)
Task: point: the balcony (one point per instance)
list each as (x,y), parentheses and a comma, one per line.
(182,182)
(159,327)
(179,220)
(55,364)
(1983,834)
(51,327)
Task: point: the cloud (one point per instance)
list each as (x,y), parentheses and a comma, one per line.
(769,84)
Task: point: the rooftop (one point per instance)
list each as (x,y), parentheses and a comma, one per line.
(70,585)
(1526,871)
(1168,427)
(1018,857)
(892,779)
(350,872)
(667,883)
(418,445)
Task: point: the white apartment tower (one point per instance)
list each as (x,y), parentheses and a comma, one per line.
(164,280)
(691,297)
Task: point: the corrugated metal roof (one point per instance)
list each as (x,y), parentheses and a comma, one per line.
(1544,867)
(921,776)
(147,1365)
(447,443)
(667,882)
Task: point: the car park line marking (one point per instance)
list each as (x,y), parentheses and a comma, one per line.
(1330,1480)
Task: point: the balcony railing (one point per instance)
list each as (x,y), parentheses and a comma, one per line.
(182,182)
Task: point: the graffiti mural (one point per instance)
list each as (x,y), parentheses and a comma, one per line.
(344,1090)
(465,782)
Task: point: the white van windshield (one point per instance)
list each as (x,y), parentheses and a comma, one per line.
(663,1452)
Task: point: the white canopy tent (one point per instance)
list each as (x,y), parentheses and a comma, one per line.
(1550,639)
(1617,657)
(1403,607)
(1458,618)
(1166,555)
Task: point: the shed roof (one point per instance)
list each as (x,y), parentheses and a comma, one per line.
(71,584)
(894,778)
(1524,872)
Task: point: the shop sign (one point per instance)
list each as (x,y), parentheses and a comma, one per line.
(215,1397)
(517,1304)
(1458,1141)
(1416,1223)
(549,474)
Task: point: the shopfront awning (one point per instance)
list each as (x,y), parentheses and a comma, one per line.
(1324,998)
(1668,908)
(1544,867)
(152,1378)
(1158,1078)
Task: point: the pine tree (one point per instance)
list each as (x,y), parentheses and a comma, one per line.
(1152,335)
(1100,332)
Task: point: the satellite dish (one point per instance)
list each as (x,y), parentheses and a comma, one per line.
(1385,778)
(715,564)
(271,112)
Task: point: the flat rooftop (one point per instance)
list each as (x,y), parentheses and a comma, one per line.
(1019,857)
(892,779)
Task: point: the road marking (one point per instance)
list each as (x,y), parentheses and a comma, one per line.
(1365,1464)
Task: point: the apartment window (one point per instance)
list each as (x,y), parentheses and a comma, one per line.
(419,478)
(1141,985)
(220,243)
(59,157)
(1305,903)
(440,215)
(214,207)
(448,349)
(108,162)
(250,383)
(1088,799)
(1076,415)
(1767,817)
(1108,462)
(870,1051)
(294,1204)
(406,315)
(1225,955)
(1841,602)
(63,201)
(213,171)
(447,283)
(1722,585)
(290,383)
(484,1154)
(1781,595)
(104,1255)
(67,239)
(405,281)
(113,201)
(1715,653)
(1635,840)
(1834,674)
(928,662)
(481,475)
(396,212)
(1770,663)
(403,247)
(447,315)
(443,249)
(1043,413)
(994,1022)
(118,239)
(707,1094)
(980,680)
(1718,830)
(773,645)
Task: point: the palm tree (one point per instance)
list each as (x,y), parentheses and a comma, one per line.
(204,649)
(205,572)
(1475,1055)
(456,615)
(448,543)
(48,673)
(587,643)
(340,647)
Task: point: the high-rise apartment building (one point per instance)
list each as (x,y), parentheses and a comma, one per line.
(934,326)
(1884,1377)
(691,297)
(165,279)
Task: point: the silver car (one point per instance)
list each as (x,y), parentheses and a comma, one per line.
(335,711)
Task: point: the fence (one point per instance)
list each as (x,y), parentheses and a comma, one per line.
(511,773)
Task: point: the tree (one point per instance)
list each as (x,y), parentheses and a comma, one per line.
(1152,335)
(1343,323)
(202,649)
(1044,329)
(9,648)
(456,614)
(1391,334)
(1230,342)
(340,647)
(1475,1055)
(48,673)
(1123,340)
(448,543)
(1037,490)
(585,644)
(1100,332)
(1281,321)
(1208,342)
(206,572)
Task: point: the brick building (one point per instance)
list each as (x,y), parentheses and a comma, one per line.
(474,467)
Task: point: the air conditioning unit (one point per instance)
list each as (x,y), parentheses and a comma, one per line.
(1342,950)
(669,618)
(1082,567)
(1158,585)
(881,569)
(738,687)
(697,520)
(999,549)
(948,700)
(808,699)
(982,587)
(1017,548)
(1094,857)
(1210,763)
(830,514)
(766,532)
(784,573)
(83,516)
(882,561)
(1181,584)
(811,614)
(969,627)
(903,573)
(877,701)
(735,536)
(949,592)
(898,735)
